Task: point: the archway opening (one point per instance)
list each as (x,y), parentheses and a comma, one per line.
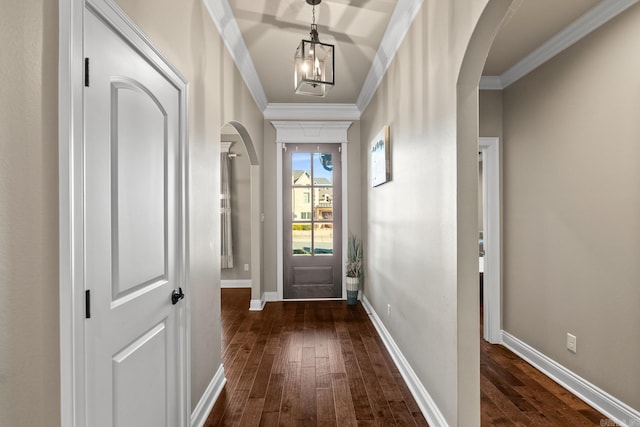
(245,217)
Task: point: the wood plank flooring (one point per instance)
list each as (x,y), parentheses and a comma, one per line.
(323,364)
(307,364)
(514,393)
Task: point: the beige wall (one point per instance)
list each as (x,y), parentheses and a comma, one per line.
(572,207)
(491,113)
(29,339)
(269,276)
(421,239)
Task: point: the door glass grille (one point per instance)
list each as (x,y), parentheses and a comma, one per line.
(312,204)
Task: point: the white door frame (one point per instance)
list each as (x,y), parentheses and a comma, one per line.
(297,132)
(492,295)
(70,161)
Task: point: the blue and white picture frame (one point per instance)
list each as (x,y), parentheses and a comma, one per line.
(380,153)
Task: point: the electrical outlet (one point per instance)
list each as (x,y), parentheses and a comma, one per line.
(572,343)
(246,267)
(388,310)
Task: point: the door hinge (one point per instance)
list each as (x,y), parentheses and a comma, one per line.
(340,148)
(86,72)
(284,147)
(87,304)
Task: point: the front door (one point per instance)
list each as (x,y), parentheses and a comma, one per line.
(312,221)
(134,333)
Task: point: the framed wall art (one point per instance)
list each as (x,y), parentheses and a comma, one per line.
(380,154)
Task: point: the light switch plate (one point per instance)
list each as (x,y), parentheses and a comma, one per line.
(572,343)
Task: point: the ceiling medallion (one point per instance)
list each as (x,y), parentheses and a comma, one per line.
(314,62)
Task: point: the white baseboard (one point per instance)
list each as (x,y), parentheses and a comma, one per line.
(617,411)
(236,283)
(208,399)
(257,304)
(428,407)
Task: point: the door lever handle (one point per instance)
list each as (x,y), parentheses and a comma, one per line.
(176,296)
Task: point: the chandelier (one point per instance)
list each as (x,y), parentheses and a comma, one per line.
(314,64)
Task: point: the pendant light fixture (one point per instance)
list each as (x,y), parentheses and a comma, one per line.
(314,65)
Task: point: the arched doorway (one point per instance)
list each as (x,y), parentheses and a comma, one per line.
(236,132)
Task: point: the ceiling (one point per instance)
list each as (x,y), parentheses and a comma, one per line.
(272,30)
(529,27)
(367,32)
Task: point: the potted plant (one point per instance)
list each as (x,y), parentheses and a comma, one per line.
(354,268)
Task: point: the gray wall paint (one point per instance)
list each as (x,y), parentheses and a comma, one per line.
(572,207)
(421,235)
(29,338)
(491,113)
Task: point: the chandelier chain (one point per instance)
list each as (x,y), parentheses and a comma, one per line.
(313,11)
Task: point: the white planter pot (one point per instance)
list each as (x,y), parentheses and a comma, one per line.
(352,283)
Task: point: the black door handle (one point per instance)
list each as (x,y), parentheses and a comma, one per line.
(176,296)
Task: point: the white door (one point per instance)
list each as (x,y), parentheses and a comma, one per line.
(133,251)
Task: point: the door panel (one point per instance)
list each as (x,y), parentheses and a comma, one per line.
(132,237)
(140,380)
(138,200)
(312,221)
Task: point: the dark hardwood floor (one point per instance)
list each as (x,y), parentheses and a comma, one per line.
(323,364)
(307,364)
(514,393)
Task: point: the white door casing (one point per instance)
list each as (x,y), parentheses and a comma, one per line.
(492,295)
(307,132)
(123,202)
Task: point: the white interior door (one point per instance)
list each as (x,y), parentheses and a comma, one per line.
(133,251)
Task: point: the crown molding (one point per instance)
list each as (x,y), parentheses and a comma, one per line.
(399,25)
(491,83)
(307,111)
(222,16)
(583,26)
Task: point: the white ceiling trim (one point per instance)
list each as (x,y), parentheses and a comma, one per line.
(311,132)
(587,23)
(307,111)
(401,19)
(399,25)
(491,83)
(222,16)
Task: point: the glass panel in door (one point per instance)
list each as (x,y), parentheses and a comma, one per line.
(312,240)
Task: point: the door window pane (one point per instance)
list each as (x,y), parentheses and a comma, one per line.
(300,169)
(323,239)
(323,204)
(300,203)
(322,169)
(301,239)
